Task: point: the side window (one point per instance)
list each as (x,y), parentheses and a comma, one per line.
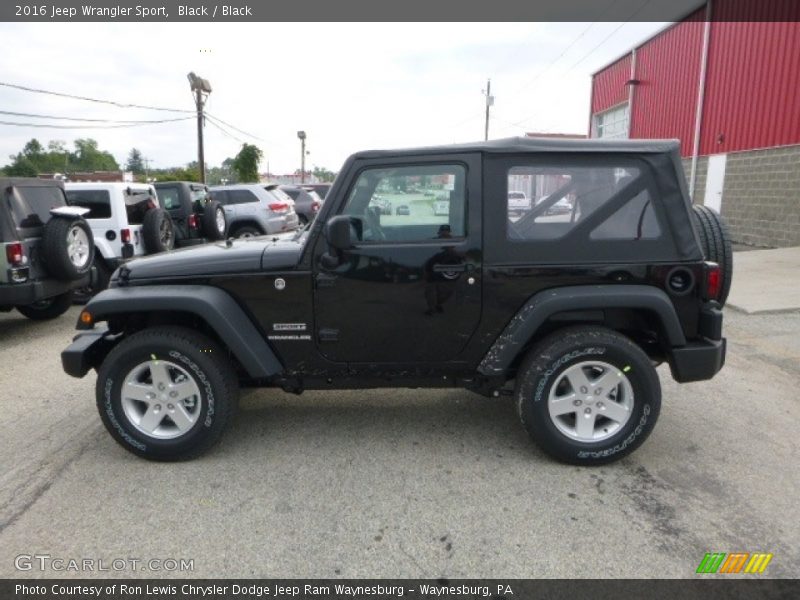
(410,203)
(97,201)
(240,196)
(546,202)
(169,198)
(220,196)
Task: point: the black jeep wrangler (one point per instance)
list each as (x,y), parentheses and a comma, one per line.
(47,248)
(196,216)
(569,310)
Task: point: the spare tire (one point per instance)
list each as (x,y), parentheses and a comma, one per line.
(215,225)
(67,248)
(716,243)
(157,231)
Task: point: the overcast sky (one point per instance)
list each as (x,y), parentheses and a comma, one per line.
(349,86)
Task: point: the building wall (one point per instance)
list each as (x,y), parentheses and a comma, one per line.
(665,100)
(761,196)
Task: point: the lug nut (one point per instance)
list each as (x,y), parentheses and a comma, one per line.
(577,402)
(158,407)
(583,389)
(598,391)
(161,386)
(173,394)
(169,406)
(588,411)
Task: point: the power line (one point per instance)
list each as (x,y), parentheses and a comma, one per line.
(53,126)
(87,99)
(56,117)
(588,54)
(227,133)
(255,137)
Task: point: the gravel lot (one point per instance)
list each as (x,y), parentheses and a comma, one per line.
(405,483)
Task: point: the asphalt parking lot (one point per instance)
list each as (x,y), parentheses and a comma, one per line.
(405,483)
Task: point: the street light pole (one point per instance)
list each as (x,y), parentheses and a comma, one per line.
(201,88)
(489,103)
(302,136)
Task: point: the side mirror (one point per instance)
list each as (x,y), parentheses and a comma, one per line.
(339,233)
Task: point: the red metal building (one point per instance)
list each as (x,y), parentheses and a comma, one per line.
(725,81)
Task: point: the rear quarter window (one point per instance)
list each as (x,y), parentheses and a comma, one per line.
(31,205)
(240,196)
(97,201)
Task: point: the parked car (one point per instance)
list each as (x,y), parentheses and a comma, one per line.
(306,202)
(562,207)
(47,248)
(126,221)
(441,208)
(256,209)
(320,188)
(382,204)
(196,216)
(570,319)
(518,202)
(403,209)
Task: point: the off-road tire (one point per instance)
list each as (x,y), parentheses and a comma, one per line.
(55,248)
(247,231)
(210,225)
(47,309)
(84,294)
(206,363)
(158,232)
(715,240)
(565,348)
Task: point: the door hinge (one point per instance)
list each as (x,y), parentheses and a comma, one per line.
(325,281)
(328,335)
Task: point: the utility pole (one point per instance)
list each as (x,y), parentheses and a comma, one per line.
(489,104)
(302,137)
(201,88)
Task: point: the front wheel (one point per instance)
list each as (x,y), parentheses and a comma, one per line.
(166,393)
(588,395)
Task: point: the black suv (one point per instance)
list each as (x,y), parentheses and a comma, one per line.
(196,217)
(568,312)
(47,248)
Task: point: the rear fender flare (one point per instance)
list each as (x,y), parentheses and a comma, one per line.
(541,306)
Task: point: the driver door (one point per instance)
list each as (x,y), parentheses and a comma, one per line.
(409,290)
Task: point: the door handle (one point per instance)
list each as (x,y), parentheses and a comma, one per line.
(442,268)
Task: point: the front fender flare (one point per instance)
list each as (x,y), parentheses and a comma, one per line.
(546,303)
(215,306)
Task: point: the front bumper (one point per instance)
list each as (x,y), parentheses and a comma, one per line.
(22,294)
(86,351)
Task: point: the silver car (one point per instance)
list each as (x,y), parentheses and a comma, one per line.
(253,209)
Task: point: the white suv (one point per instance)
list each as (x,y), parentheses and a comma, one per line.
(126,221)
(253,209)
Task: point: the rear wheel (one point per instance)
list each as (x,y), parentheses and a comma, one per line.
(68,248)
(214,222)
(716,242)
(588,395)
(166,393)
(157,231)
(47,309)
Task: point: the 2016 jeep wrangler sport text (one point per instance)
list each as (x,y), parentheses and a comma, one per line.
(569,310)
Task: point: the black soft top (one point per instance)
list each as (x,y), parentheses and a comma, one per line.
(517,145)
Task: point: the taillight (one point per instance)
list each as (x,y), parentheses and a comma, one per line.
(713,281)
(193,221)
(314,206)
(15,254)
(279,207)
(125,236)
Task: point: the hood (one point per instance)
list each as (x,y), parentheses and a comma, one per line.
(250,255)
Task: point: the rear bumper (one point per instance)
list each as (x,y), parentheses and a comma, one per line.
(701,359)
(697,361)
(85,352)
(21,294)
